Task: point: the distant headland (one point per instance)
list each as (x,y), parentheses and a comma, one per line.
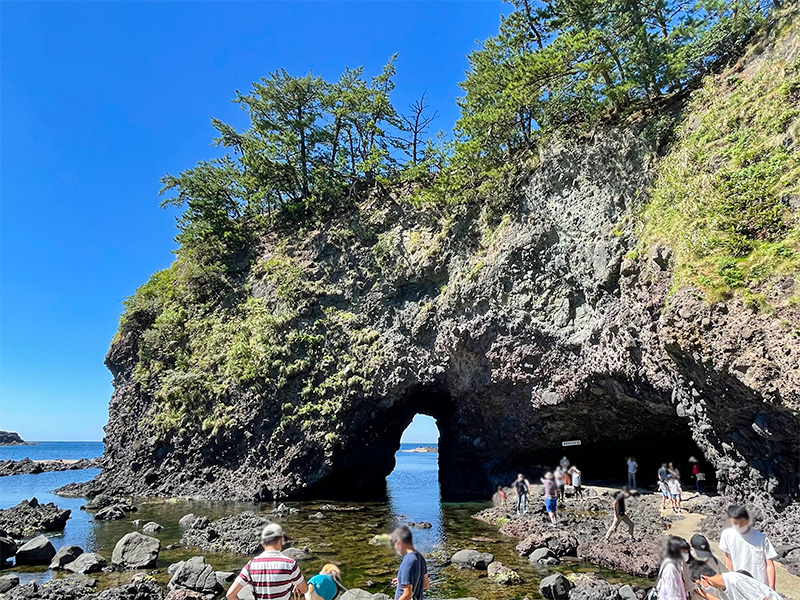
(11,438)
(422,449)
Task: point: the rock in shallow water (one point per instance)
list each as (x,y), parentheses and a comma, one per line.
(236,533)
(65,554)
(194,574)
(555,587)
(151,527)
(136,551)
(139,590)
(38,551)
(57,589)
(88,562)
(29,517)
(472,559)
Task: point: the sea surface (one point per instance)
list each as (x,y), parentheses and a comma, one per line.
(341,537)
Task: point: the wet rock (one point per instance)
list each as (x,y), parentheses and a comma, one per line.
(317,515)
(420,524)
(544,556)
(237,533)
(562,543)
(195,574)
(555,587)
(57,589)
(224,577)
(299,554)
(626,592)
(499,573)
(8,548)
(187,520)
(382,539)
(110,513)
(151,527)
(38,551)
(101,501)
(472,559)
(359,594)
(639,558)
(65,554)
(29,517)
(139,590)
(7,582)
(136,551)
(88,562)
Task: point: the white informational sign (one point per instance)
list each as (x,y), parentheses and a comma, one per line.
(571,443)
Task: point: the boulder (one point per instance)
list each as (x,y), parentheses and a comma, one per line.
(543,556)
(195,574)
(588,586)
(88,562)
(236,533)
(187,520)
(420,524)
(382,539)
(56,589)
(635,558)
(136,551)
(8,548)
(555,587)
(224,577)
(110,513)
(472,559)
(7,582)
(626,592)
(38,551)
(151,527)
(499,573)
(65,554)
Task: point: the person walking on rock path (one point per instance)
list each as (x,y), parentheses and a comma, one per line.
(412,576)
(746,548)
(619,513)
(633,466)
(671,582)
(662,485)
(733,585)
(550,497)
(521,488)
(272,574)
(675,493)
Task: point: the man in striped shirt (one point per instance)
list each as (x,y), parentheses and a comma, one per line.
(272,575)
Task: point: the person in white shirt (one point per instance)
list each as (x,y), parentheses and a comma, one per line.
(748,549)
(732,586)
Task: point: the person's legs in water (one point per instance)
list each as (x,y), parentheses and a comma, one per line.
(551,506)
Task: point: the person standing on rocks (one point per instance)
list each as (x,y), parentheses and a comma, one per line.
(619,513)
(675,492)
(521,488)
(272,574)
(732,586)
(412,576)
(550,497)
(746,548)
(577,481)
(633,466)
(671,582)
(662,485)
(501,493)
(565,468)
(558,474)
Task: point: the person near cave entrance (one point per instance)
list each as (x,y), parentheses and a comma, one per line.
(619,513)
(521,488)
(550,497)
(412,576)
(633,466)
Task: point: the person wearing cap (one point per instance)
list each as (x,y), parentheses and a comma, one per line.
(747,548)
(732,585)
(271,574)
(702,553)
(412,576)
(619,513)
(550,497)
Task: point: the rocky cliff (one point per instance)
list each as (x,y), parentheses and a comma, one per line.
(544,315)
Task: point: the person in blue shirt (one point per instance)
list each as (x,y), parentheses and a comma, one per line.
(412,576)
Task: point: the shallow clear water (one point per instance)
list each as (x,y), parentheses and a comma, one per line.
(341,537)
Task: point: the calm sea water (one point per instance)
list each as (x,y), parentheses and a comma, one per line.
(341,537)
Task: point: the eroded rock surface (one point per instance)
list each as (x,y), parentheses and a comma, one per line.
(30,517)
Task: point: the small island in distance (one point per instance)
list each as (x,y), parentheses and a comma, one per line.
(11,438)
(422,449)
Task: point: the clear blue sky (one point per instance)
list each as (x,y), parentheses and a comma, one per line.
(98,101)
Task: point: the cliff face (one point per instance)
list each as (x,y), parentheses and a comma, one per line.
(534,319)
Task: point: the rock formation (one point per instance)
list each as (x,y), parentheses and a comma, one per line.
(11,438)
(518,324)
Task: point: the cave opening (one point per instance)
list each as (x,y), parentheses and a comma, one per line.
(412,487)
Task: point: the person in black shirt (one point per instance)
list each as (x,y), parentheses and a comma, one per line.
(619,513)
(522,494)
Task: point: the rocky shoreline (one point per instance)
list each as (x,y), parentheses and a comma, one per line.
(26,466)
(11,438)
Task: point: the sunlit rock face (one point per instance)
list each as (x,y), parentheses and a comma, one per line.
(517,332)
